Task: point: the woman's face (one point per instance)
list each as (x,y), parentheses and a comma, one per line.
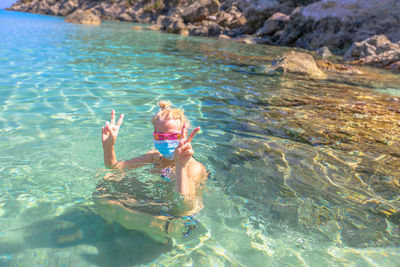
(168,126)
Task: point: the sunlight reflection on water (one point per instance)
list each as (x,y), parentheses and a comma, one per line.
(302,171)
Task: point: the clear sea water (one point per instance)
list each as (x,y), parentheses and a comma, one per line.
(272,199)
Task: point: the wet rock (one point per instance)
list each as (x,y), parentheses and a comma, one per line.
(298,63)
(223,36)
(205,28)
(246,39)
(213,28)
(339,68)
(184,32)
(171,24)
(200,10)
(154,27)
(195,30)
(273,24)
(137,28)
(377,50)
(324,52)
(395,66)
(83,17)
(264,40)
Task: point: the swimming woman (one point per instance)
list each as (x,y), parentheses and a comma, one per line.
(172,158)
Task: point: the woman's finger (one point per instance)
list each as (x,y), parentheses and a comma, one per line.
(184,131)
(112,117)
(186,146)
(192,134)
(109,128)
(181,142)
(119,122)
(188,153)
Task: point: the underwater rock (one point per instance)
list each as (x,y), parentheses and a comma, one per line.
(83,17)
(331,150)
(299,63)
(339,68)
(377,50)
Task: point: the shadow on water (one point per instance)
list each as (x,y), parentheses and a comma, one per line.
(115,246)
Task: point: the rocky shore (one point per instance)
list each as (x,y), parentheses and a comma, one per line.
(309,24)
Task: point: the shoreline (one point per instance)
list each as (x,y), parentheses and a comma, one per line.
(322,26)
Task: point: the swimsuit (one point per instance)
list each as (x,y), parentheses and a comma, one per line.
(189,221)
(167,174)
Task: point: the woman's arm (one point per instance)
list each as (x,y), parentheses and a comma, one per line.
(110,160)
(139,161)
(109,135)
(187,169)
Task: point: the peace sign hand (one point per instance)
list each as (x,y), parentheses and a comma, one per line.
(109,133)
(184,150)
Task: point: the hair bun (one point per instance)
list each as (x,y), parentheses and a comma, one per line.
(164,104)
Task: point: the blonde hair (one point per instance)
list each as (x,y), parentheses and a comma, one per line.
(168,113)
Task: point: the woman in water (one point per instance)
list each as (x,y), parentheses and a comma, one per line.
(173,159)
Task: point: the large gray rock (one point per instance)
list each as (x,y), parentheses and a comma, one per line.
(231,18)
(298,63)
(377,50)
(83,17)
(273,24)
(67,7)
(338,23)
(257,12)
(110,11)
(200,9)
(171,24)
(205,28)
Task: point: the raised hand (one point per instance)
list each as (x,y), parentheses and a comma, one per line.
(109,133)
(184,150)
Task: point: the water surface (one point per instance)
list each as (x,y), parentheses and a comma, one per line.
(294,180)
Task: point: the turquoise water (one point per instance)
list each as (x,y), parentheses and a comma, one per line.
(271,198)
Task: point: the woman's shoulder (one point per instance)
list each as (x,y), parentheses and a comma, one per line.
(197,170)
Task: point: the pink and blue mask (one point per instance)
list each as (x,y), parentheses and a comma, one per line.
(166,143)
